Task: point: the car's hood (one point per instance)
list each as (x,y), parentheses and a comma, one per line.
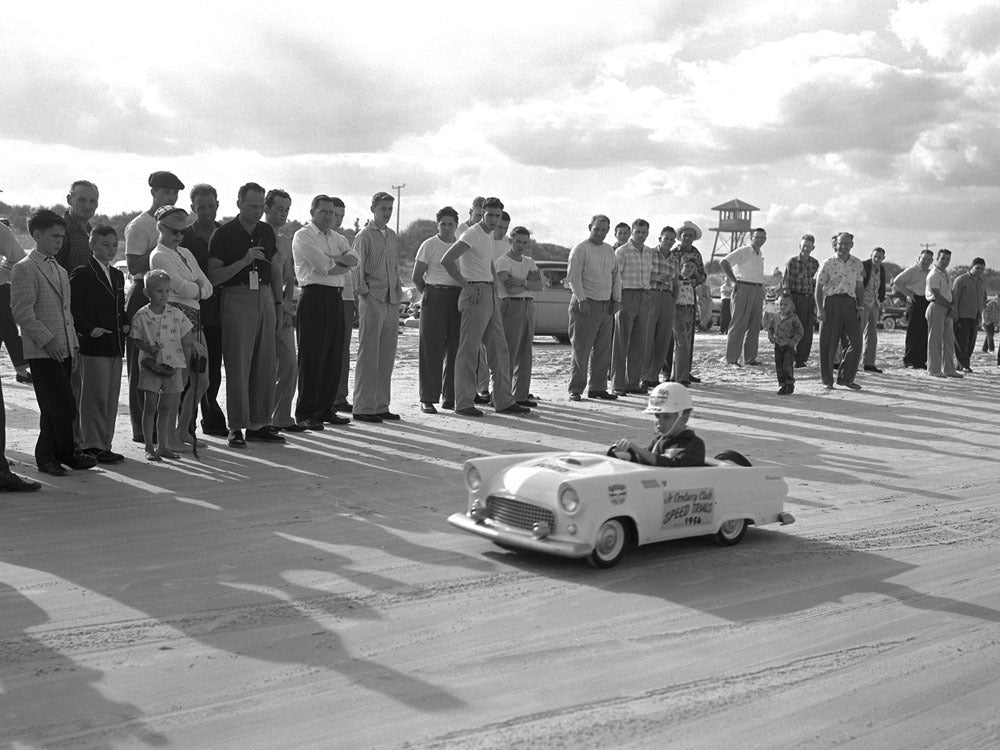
(537,476)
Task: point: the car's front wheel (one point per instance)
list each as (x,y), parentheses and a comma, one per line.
(888,323)
(611,544)
(731,532)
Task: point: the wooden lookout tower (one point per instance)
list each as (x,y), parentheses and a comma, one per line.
(735,219)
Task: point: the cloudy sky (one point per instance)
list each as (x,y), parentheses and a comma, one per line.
(870,116)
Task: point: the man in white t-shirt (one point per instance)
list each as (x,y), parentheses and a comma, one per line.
(518,278)
(439,317)
(475,216)
(940,319)
(744,267)
(470,263)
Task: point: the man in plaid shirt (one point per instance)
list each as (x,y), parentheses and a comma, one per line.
(634,267)
(799,281)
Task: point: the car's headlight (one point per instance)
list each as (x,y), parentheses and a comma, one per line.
(473,478)
(568,500)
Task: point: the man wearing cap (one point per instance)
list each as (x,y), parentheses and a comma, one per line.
(241,251)
(469,262)
(840,292)
(940,319)
(912,282)
(592,276)
(82,201)
(799,280)
(682,252)
(635,264)
(323,259)
(205,207)
(141,236)
(968,292)
(40,302)
(745,269)
(378,292)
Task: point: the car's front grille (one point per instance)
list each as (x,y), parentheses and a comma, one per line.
(515,513)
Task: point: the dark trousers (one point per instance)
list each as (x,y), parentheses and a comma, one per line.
(988,344)
(840,324)
(725,314)
(965,341)
(212,416)
(56,407)
(440,325)
(8,329)
(784,365)
(915,352)
(805,308)
(319,324)
(136,397)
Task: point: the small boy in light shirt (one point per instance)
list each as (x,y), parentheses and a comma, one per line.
(784,331)
(163,335)
(684,316)
(519,279)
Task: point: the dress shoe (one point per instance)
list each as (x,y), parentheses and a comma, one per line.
(578,397)
(481,398)
(694,379)
(605,396)
(828,386)
(53,468)
(294,427)
(733,364)
(310,424)
(967,370)
(388,416)
(469,411)
(852,386)
(344,407)
(14,483)
(783,391)
(753,363)
(449,405)
(872,368)
(213,430)
(640,391)
(236,439)
(799,365)
(514,409)
(264,435)
(81,461)
(954,375)
(428,408)
(367,418)
(528,402)
(334,418)
(106,457)
(24,377)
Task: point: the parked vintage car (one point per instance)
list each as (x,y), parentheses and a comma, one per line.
(894,312)
(552,303)
(585,505)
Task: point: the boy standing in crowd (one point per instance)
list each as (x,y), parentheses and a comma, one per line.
(519,279)
(98,306)
(785,330)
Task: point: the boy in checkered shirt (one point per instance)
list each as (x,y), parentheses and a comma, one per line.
(784,331)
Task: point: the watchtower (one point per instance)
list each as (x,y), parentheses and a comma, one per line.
(735,221)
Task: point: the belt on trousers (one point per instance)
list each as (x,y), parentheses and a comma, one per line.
(750,283)
(634,289)
(481,282)
(520,299)
(325,286)
(657,289)
(842,294)
(446,287)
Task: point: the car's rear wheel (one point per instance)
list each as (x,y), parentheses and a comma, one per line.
(888,323)
(611,544)
(731,532)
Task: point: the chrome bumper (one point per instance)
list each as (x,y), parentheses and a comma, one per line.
(520,539)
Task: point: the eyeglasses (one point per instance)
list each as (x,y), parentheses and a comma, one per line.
(171,230)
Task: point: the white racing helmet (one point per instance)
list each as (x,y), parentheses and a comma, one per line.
(669,398)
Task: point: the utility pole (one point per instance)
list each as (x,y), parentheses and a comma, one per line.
(399,202)
(928,245)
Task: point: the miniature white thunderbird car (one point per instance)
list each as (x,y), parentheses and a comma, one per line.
(587,505)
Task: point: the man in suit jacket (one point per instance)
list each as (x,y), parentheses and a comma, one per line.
(98,306)
(40,301)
